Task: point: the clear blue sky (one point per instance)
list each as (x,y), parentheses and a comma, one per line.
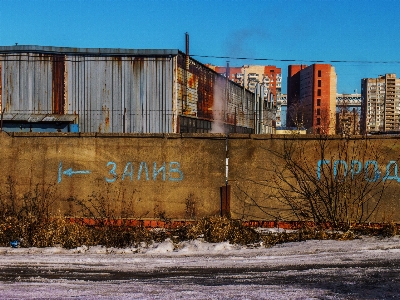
(364,34)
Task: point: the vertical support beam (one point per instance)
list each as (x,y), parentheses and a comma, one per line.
(1,87)
(225,201)
(58,84)
(185,76)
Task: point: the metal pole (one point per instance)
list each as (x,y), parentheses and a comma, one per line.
(256,109)
(1,123)
(262,110)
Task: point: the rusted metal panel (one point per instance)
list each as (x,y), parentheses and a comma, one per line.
(39,117)
(111,93)
(204,94)
(60,118)
(129,94)
(225,201)
(26,83)
(8,116)
(58,84)
(119,90)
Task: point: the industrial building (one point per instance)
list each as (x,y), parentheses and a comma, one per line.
(311,98)
(268,77)
(380,110)
(348,112)
(119,91)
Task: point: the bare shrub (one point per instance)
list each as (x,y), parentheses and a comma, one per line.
(222,229)
(338,190)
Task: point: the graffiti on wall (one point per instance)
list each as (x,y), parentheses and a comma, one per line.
(165,172)
(371,170)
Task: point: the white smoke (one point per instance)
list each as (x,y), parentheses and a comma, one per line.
(218,109)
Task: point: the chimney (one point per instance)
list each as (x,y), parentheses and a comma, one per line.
(187,51)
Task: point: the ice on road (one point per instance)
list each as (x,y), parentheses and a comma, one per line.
(366,268)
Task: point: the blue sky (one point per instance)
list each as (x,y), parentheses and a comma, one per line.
(362,34)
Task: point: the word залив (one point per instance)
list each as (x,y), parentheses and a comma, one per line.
(371,169)
(174,172)
(171,169)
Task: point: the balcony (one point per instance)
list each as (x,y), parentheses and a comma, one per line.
(253,76)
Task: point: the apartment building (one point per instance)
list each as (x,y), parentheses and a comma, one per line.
(267,77)
(281,109)
(311,98)
(380,110)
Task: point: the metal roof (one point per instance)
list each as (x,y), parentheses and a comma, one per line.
(88,51)
(39,117)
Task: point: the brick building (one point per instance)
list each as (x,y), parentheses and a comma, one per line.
(311,98)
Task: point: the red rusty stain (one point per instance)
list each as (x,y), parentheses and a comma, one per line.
(118,59)
(192,81)
(106,112)
(58,84)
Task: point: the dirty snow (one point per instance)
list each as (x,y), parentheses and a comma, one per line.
(366,268)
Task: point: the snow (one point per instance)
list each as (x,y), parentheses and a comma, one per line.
(365,268)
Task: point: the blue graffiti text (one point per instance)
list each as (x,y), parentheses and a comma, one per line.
(166,171)
(371,169)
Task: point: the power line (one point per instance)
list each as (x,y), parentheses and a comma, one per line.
(89,58)
(299,60)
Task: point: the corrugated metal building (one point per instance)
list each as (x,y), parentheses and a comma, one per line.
(117,91)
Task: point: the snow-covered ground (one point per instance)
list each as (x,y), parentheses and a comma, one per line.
(366,268)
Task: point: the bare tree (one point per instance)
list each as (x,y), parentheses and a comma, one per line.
(328,180)
(296,115)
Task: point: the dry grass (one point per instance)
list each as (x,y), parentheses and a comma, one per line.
(29,220)
(62,232)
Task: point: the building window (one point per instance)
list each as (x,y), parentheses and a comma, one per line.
(319,73)
(318,102)
(319,82)
(319,92)
(318,111)
(318,121)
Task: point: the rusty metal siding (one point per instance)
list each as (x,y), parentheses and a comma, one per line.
(115,92)
(206,95)
(109,93)
(122,94)
(27,83)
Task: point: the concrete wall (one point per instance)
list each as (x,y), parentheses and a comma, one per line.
(173,176)
(135,176)
(255,163)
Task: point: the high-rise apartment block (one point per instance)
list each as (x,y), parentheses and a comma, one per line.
(380,110)
(311,98)
(281,109)
(269,77)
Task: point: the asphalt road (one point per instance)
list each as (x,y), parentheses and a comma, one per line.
(371,279)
